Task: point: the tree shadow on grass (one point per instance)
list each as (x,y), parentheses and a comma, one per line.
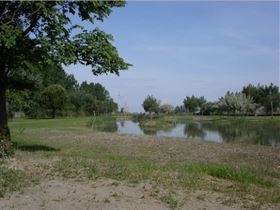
(36,147)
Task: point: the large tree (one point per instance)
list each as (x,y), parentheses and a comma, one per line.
(36,33)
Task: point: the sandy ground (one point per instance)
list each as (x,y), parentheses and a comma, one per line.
(105,194)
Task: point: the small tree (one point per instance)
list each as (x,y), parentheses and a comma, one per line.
(192,103)
(151,104)
(53,98)
(180,109)
(166,108)
(236,103)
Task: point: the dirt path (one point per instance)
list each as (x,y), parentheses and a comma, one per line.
(105,194)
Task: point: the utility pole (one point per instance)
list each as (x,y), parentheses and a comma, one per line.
(271,102)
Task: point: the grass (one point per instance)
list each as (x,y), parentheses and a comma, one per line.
(170,200)
(244,176)
(11,180)
(106,123)
(73,151)
(139,169)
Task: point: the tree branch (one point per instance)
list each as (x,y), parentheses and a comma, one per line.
(2,7)
(32,25)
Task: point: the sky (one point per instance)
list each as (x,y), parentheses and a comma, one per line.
(182,48)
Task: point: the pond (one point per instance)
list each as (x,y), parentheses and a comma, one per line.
(224,131)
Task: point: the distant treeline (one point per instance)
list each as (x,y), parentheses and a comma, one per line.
(57,94)
(252,100)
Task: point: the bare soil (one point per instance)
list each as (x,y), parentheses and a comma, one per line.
(105,194)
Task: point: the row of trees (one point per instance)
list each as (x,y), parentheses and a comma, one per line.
(260,99)
(60,94)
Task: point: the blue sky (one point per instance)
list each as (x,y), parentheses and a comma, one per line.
(182,48)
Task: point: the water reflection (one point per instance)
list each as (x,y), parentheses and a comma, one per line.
(250,132)
(109,126)
(122,123)
(257,132)
(194,130)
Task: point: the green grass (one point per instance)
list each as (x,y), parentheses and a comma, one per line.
(242,182)
(73,123)
(11,180)
(230,173)
(140,169)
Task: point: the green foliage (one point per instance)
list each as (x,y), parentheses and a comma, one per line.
(53,98)
(55,74)
(90,105)
(27,101)
(236,103)
(75,99)
(267,96)
(179,109)
(96,90)
(260,99)
(96,99)
(166,108)
(194,104)
(151,104)
(18,101)
(39,33)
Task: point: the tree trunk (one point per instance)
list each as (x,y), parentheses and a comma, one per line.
(3,109)
(271,107)
(5,139)
(53,113)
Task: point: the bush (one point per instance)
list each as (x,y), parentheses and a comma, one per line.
(103,123)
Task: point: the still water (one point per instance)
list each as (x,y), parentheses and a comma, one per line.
(262,133)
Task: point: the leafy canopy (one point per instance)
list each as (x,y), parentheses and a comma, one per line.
(54,98)
(267,96)
(236,103)
(192,103)
(151,104)
(36,33)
